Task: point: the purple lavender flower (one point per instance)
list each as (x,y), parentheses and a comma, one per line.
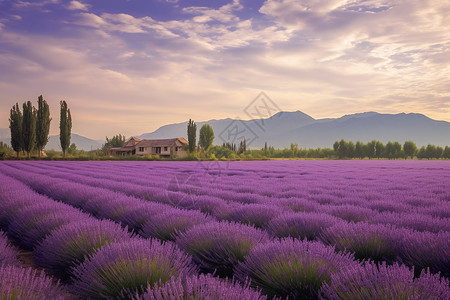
(291,267)
(169,224)
(258,215)
(33,224)
(301,225)
(136,218)
(27,283)
(426,250)
(220,245)
(375,282)
(122,269)
(367,241)
(69,245)
(204,287)
(8,255)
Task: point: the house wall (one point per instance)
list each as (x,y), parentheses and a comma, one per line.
(150,151)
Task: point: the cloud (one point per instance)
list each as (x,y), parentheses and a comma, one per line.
(327,58)
(77,5)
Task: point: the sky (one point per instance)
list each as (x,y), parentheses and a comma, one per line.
(131,66)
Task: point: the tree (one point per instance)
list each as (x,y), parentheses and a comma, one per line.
(116,141)
(15,124)
(294,149)
(372,149)
(29,127)
(446,153)
(42,124)
(192,135)
(242,147)
(410,149)
(72,150)
(379,149)
(206,136)
(65,127)
(389,151)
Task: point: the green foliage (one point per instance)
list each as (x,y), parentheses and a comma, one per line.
(65,127)
(116,141)
(409,149)
(5,151)
(206,136)
(192,135)
(72,150)
(15,124)
(42,124)
(29,128)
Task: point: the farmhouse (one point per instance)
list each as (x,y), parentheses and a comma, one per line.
(164,147)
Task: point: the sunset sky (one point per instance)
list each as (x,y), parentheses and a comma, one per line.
(132,66)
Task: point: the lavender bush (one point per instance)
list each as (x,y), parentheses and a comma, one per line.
(384,282)
(8,255)
(292,268)
(169,224)
(301,225)
(122,269)
(69,245)
(219,246)
(27,283)
(368,241)
(201,287)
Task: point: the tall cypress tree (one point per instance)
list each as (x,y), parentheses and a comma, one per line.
(15,124)
(29,127)
(42,124)
(192,135)
(65,127)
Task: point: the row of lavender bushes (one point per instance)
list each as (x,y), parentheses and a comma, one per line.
(368,241)
(98,258)
(227,247)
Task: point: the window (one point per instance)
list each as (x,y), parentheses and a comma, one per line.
(141,149)
(157,150)
(165,149)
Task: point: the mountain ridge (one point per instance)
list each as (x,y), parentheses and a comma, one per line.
(284,128)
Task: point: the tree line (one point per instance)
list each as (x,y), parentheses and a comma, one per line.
(391,150)
(30,127)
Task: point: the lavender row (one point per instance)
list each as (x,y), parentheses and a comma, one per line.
(221,210)
(367,242)
(362,208)
(103,260)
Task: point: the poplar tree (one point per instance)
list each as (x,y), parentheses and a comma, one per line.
(65,127)
(206,136)
(15,124)
(29,127)
(192,135)
(42,124)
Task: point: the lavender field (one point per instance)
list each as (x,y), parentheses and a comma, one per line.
(225,230)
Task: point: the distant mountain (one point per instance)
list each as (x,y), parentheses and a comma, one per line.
(5,133)
(83,143)
(297,127)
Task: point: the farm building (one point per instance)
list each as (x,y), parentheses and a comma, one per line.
(163,147)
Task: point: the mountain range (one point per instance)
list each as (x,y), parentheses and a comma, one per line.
(284,128)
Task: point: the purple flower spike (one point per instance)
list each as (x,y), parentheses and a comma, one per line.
(33,225)
(291,267)
(123,269)
(258,215)
(169,224)
(220,245)
(204,287)
(27,283)
(69,245)
(301,225)
(375,282)
(137,217)
(368,241)
(8,256)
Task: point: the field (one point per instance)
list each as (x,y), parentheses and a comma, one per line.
(226,230)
